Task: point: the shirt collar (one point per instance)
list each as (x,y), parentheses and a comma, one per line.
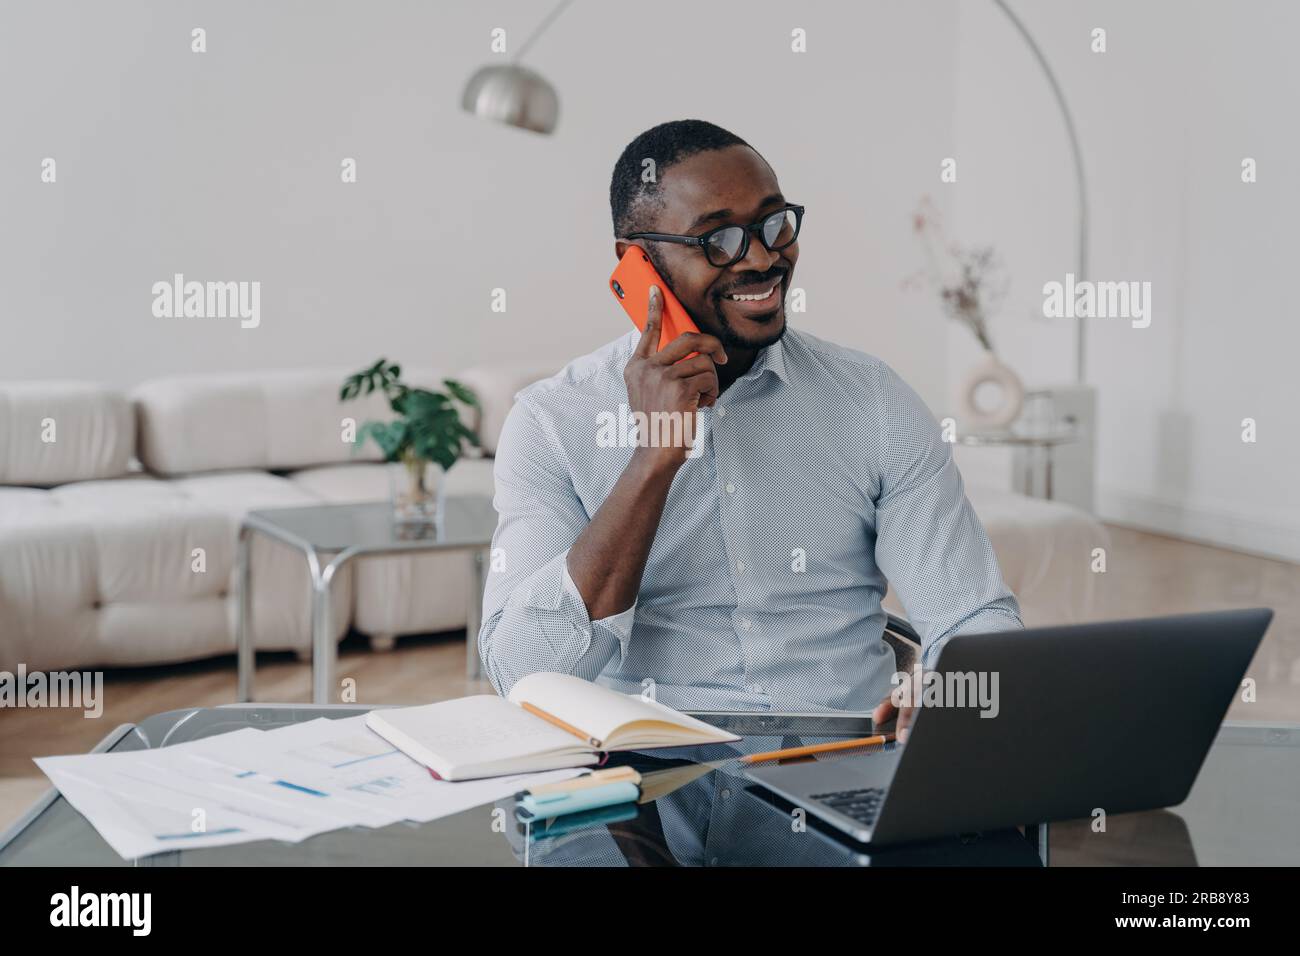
(771,359)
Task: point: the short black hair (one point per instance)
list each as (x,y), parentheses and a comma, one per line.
(632,201)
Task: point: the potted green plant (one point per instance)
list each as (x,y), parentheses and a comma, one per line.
(427,432)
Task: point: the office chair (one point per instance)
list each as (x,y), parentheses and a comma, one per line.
(902,637)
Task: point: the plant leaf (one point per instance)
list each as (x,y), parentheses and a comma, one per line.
(461,393)
(391,437)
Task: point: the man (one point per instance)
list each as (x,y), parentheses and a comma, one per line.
(747,572)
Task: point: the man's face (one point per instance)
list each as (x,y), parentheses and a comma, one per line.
(731,186)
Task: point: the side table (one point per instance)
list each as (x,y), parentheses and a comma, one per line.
(329,536)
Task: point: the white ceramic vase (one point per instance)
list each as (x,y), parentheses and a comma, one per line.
(991,394)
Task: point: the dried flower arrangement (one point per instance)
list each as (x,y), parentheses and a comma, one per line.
(970,280)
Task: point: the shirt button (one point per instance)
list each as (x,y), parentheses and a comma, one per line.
(731,489)
(746,623)
(740,565)
(726,794)
(722,412)
(757,688)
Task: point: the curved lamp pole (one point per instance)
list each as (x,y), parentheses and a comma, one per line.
(1082,252)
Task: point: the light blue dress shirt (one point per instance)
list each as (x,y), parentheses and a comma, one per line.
(819,478)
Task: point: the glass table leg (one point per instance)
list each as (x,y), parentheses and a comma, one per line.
(246,660)
(474,611)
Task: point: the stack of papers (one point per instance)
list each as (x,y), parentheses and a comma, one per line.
(286,784)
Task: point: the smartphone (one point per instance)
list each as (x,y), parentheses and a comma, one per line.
(631,283)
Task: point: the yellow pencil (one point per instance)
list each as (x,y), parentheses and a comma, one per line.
(550,719)
(818,748)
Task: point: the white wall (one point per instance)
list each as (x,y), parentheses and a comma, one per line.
(1184,92)
(225,166)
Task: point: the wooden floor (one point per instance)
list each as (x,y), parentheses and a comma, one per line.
(1147,575)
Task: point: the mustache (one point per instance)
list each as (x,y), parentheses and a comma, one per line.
(756,278)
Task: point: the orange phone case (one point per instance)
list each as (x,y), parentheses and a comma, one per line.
(631,283)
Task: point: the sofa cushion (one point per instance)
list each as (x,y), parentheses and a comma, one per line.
(106,572)
(92,432)
(365,481)
(271,420)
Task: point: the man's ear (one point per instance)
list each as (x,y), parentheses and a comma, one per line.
(620,247)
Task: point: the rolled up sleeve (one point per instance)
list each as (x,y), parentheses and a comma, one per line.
(534,618)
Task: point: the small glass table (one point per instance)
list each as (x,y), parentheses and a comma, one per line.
(1039,445)
(330,536)
(1241,811)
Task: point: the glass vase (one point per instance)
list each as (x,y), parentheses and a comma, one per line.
(418,495)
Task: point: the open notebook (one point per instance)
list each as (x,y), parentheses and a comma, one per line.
(548,721)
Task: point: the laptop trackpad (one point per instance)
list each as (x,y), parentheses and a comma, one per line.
(875,768)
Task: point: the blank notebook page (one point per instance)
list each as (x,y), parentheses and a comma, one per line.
(480,729)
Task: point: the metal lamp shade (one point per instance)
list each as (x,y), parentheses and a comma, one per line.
(513,95)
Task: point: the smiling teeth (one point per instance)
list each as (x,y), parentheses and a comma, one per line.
(752,298)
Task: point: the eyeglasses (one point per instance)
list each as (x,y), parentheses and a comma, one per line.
(727,245)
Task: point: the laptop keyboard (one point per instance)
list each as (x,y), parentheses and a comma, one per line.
(860,805)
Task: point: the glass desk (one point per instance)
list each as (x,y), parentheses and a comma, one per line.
(715,817)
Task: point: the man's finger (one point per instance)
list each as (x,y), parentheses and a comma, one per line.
(689,342)
(884,712)
(904,726)
(705,385)
(690,367)
(649,343)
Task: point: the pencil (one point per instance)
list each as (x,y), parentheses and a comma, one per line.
(538,712)
(818,748)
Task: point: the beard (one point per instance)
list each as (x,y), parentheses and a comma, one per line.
(730,337)
(717,324)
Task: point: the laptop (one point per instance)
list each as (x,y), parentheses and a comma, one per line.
(1115,716)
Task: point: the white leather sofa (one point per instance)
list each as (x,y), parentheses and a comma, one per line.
(99,550)
(105,499)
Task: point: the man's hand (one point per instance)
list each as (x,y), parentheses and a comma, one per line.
(665,381)
(609,557)
(887,710)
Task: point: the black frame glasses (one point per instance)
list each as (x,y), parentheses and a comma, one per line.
(706,241)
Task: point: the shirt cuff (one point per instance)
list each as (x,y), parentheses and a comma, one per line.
(987,620)
(931,653)
(618,625)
